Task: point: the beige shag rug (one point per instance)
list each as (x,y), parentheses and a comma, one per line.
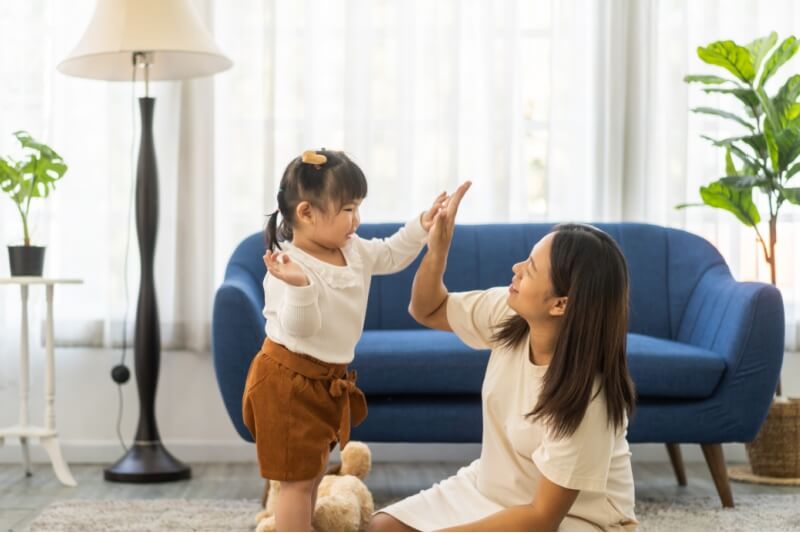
(148,515)
(768,512)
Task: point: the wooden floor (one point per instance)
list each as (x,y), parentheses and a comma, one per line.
(23,498)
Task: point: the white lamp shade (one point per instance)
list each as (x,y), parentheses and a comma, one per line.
(170,30)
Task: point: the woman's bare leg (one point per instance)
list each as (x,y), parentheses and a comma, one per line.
(386,522)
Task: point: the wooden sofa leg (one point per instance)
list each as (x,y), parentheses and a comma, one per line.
(675,457)
(716,464)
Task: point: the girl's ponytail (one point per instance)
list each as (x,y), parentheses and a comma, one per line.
(272,232)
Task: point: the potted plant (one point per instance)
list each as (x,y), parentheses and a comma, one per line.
(763,158)
(32,176)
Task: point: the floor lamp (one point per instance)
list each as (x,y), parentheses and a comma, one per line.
(167,40)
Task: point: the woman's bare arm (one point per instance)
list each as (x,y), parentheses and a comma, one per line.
(428,303)
(550,505)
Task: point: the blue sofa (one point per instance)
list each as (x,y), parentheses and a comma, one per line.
(704,350)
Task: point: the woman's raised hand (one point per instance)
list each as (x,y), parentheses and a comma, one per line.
(282,267)
(441,232)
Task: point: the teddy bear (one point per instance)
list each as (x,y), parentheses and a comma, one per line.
(344,503)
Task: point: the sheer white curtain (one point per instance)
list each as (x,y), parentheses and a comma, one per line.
(623,143)
(421,94)
(84,224)
(557,110)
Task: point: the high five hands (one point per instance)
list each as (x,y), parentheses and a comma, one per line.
(438,221)
(426,219)
(444,221)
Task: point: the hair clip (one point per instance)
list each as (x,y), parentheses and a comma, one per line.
(313,158)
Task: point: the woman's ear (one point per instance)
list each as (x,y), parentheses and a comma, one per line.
(304,213)
(559,307)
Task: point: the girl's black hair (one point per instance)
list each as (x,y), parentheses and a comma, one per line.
(334,183)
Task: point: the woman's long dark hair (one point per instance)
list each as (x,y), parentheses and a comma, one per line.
(587,267)
(338,181)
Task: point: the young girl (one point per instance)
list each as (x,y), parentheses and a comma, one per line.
(556,395)
(300,399)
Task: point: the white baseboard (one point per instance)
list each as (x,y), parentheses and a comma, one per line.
(93,452)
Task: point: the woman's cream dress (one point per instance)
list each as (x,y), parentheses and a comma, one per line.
(516,452)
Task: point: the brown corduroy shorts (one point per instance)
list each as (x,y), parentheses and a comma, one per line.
(297,408)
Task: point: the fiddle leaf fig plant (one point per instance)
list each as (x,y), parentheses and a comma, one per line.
(763,157)
(34,175)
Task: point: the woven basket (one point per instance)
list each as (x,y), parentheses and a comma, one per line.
(775,452)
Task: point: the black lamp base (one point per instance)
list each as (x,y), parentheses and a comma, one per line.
(147,463)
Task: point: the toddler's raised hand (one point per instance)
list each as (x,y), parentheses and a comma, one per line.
(426,219)
(282,267)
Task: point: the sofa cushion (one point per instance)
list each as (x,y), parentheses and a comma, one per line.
(669,369)
(422,418)
(405,362)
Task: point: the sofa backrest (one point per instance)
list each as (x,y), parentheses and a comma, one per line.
(665,265)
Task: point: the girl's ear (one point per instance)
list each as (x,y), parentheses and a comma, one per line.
(304,213)
(560,307)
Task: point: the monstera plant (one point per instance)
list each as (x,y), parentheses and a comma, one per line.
(33,175)
(762,159)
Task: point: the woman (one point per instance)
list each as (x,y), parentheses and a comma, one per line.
(556,395)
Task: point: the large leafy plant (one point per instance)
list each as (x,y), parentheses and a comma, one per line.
(33,176)
(763,157)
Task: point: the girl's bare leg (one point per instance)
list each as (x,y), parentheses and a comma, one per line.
(294,509)
(316,488)
(314,493)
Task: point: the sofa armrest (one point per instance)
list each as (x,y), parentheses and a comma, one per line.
(744,323)
(237,335)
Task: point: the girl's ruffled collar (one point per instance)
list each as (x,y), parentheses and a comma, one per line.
(338,277)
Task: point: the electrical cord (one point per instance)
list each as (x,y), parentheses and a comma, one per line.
(120,373)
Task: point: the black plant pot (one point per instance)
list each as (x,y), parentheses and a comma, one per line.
(26,260)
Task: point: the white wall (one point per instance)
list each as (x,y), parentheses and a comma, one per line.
(192,419)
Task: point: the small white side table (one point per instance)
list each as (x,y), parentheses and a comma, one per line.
(47,435)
